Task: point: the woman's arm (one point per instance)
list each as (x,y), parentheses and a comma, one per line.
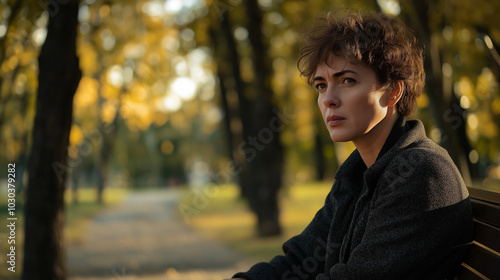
(297,249)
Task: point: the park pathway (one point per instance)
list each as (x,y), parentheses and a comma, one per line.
(143,238)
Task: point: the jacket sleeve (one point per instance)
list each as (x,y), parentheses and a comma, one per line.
(309,246)
(419,225)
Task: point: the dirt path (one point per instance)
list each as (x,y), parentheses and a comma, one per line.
(144,239)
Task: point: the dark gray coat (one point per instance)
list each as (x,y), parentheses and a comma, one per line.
(408,216)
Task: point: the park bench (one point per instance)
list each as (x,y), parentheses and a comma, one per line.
(483,261)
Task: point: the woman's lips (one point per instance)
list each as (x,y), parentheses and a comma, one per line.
(334,120)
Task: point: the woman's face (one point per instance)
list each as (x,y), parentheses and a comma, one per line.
(351,100)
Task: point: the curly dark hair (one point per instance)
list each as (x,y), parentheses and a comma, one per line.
(379,41)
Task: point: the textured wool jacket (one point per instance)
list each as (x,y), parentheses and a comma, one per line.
(408,216)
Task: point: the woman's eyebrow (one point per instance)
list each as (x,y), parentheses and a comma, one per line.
(338,74)
(318,78)
(341,73)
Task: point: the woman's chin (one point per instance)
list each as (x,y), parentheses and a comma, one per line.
(336,137)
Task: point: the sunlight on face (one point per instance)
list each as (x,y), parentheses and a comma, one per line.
(350,99)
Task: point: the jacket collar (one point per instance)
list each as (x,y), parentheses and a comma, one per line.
(413,132)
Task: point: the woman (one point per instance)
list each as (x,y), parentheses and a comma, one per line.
(399,208)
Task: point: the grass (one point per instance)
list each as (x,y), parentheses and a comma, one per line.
(227,219)
(77,220)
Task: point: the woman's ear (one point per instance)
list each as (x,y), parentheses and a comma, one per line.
(396,93)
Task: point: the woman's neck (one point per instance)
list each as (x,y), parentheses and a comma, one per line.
(369,147)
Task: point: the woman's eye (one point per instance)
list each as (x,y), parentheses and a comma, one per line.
(320,86)
(348,81)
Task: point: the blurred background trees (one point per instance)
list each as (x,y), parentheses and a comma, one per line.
(187,92)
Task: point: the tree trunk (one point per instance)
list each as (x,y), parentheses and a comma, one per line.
(108,138)
(75,177)
(228,116)
(106,146)
(59,75)
(267,167)
(257,147)
(103,166)
(227,86)
(228,67)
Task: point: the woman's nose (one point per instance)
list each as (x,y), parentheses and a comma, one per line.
(331,99)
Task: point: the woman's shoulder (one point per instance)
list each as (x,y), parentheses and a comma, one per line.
(417,150)
(427,171)
(425,154)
